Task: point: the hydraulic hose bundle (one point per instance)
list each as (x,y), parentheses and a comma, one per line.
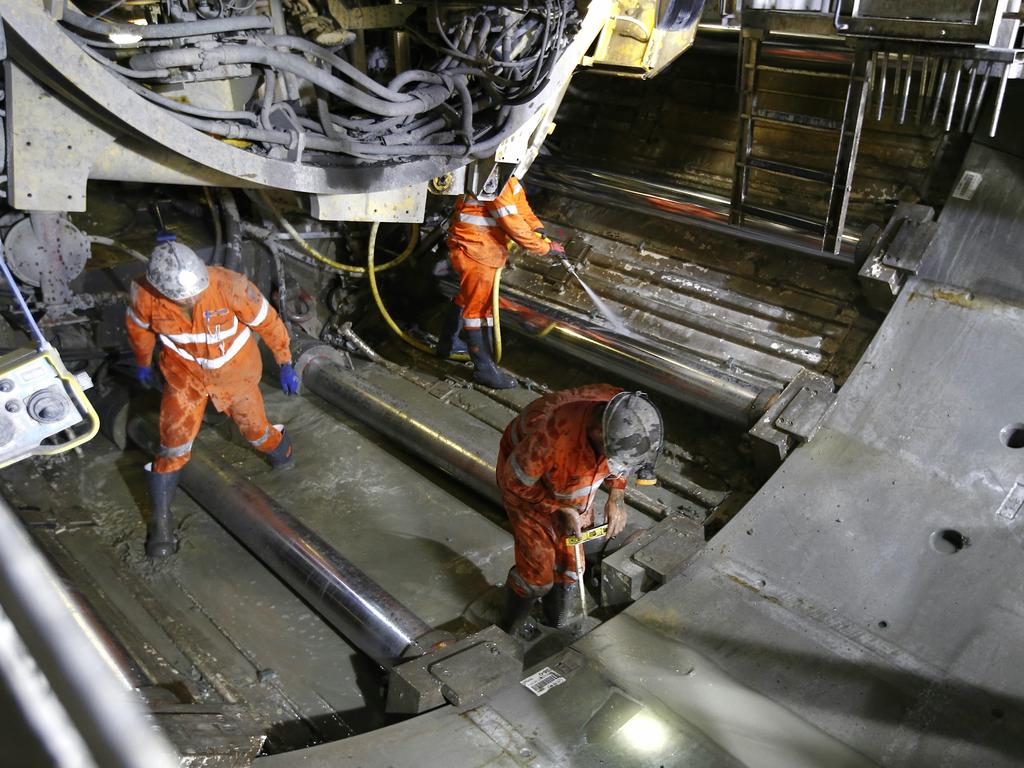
(487,60)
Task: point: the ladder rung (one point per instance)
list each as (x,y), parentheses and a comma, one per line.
(785,169)
(811,226)
(807,72)
(796,120)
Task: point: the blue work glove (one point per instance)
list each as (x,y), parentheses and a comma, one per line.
(147,376)
(289,380)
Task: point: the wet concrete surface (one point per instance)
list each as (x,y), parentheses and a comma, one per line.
(211,624)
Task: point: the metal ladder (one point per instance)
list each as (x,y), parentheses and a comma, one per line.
(847,130)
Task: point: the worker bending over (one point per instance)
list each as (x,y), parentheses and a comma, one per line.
(478,236)
(204,318)
(552,459)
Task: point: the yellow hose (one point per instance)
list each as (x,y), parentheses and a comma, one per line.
(416,343)
(496,313)
(309,249)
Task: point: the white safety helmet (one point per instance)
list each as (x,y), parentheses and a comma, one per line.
(633,434)
(176,271)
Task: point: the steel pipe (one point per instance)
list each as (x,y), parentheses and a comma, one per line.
(106,644)
(78,712)
(406,419)
(676,373)
(406,413)
(360,609)
(702,209)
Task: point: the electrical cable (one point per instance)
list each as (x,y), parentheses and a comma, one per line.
(401,124)
(360,78)
(125,72)
(372,271)
(217,257)
(41,341)
(111,243)
(424,99)
(174,29)
(190,109)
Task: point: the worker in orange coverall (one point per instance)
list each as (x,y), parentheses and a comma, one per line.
(552,459)
(478,237)
(204,318)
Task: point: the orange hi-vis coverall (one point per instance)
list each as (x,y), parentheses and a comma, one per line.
(546,462)
(213,356)
(478,236)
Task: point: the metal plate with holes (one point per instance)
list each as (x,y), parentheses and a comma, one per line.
(803,414)
(56,249)
(34,403)
(492,659)
(669,552)
(468,676)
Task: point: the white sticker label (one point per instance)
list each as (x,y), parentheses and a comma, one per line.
(543,681)
(1013,502)
(968,185)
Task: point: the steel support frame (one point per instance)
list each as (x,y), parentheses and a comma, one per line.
(858,95)
(750,49)
(974,27)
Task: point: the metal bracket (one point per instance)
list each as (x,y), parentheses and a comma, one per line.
(485,178)
(648,562)
(405,204)
(52,147)
(461,673)
(897,253)
(793,419)
(46,251)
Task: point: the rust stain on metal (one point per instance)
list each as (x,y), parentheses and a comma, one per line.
(965,299)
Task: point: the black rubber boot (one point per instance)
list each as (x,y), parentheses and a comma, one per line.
(282,456)
(486,372)
(449,343)
(160,540)
(561,605)
(515,612)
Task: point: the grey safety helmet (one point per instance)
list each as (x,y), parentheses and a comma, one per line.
(176,271)
(633,433)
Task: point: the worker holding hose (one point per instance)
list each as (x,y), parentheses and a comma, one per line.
(477,244)
(553,458)
(204,319)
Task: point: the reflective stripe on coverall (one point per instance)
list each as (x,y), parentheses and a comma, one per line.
(546,462)
(478,237)
(215,356)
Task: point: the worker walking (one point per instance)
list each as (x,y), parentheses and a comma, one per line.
(204,318)
(552,459)
(478,237)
